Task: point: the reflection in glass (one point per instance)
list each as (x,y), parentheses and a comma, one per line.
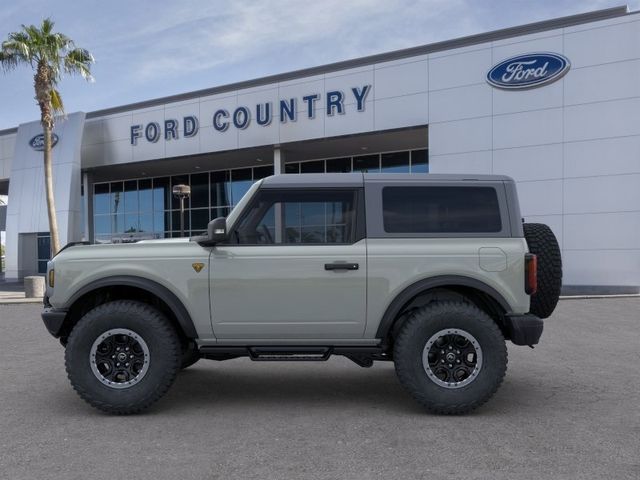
(161,194)
(145,196)
(179,180)
(420,161)
(146,222)
(116,197)
(131,196)
(101,199)
(241,180)
(220,189)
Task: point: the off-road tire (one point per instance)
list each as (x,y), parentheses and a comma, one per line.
(542,242)
(190,355)
(164,356)
(414,334)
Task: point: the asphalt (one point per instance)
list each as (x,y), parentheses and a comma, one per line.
(568,410)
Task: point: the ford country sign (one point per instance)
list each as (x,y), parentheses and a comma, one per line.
(37,142)
(528,71)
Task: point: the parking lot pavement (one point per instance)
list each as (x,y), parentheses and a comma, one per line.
(570,409)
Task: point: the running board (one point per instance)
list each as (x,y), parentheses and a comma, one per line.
(289,354)
(363,356)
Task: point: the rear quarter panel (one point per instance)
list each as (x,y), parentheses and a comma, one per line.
(394,264)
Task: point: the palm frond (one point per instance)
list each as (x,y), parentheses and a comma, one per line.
(56,101)
(79,61)
(9,61)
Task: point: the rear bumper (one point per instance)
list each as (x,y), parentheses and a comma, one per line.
(524,329)
(53,319)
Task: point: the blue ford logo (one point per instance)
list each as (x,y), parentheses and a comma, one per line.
(37,142)
(528,71)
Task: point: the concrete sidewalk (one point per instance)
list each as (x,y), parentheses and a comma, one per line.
(13,292)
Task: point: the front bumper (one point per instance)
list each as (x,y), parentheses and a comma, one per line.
(54,320)
(524,329)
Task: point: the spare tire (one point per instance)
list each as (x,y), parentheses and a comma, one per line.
(542,242)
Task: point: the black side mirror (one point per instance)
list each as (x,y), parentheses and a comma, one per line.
(217,230)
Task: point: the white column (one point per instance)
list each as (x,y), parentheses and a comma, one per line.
(278,160)
(87,214)
(278,169)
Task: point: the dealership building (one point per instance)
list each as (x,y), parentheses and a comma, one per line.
(553,104)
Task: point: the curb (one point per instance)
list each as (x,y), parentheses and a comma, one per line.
(585,297)
(18,301)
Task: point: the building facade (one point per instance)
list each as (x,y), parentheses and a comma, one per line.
(555,105)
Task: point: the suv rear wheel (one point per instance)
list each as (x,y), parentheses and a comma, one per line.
(122,356)
(451,356)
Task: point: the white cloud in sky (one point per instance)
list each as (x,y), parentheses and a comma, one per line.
(150,49)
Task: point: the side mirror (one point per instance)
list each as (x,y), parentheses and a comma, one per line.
(217,230)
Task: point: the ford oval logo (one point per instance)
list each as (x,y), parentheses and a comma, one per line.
(37,142)
(528,71)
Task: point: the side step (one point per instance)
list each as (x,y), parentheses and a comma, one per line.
(289,354)
(363,356)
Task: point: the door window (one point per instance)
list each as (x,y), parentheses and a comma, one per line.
(299,217)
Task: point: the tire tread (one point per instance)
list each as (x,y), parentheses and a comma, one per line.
(162,325)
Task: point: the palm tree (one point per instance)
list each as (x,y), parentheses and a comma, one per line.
(50,55)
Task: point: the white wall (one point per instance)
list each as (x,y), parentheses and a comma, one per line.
(398,98)
(26,210)
(573,146)
(7,146)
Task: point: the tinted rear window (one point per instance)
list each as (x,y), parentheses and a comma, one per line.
(436,209)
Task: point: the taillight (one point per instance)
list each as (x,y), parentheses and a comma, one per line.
(530,273)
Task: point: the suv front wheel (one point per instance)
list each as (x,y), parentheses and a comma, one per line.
(451,357)
(122,356)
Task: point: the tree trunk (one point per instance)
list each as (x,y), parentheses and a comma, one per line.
(42,82)
(48,181)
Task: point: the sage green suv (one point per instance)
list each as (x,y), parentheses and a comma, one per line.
(432,272)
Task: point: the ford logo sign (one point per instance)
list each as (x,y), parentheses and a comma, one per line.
(37,142)
(528,71)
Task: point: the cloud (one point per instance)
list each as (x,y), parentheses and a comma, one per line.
(153,49)
(186,40)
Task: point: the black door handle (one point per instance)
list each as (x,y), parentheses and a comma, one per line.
(341,266)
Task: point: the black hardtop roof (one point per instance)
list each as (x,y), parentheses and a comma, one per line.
(310,180)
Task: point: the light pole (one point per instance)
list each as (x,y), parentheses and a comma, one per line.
(181,192)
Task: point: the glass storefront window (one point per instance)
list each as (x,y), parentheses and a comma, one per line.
(292,168)
(261,172)
(241,180)
(161,194)
(130,210)
(366,163)
(396,162)
(312,167)
(420,161)
(101,199)
(131,196)
(339,165)
(220,188)
(145,195)
(117,189)
(199,219)
(146,222)
(199,190)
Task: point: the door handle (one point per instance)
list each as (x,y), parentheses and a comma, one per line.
(341,266)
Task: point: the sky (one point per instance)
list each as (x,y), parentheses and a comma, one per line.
(148,49)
